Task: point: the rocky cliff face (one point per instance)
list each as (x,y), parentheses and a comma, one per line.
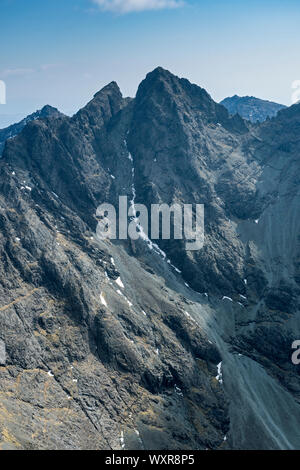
(251,108)
(13,130)
(121,344)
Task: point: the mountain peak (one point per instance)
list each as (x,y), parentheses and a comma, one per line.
(161,92)
(48,110)
(162,80)
(111,88)
(105,103)
(160,72)
(251,108)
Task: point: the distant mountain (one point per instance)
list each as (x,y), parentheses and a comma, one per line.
(251,108)
(13,130)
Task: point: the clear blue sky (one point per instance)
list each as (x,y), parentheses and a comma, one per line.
(60,52)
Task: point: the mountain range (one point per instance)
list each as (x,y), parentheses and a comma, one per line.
(251,108)
(134,345)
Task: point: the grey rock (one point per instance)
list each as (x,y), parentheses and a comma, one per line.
(158,364)
(2,353)
(14,129)
(251,108)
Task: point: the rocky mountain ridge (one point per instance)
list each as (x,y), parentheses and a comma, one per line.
(13,130)
(107,344)
(251,108)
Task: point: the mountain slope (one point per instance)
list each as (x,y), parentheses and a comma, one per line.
(251,108)
(107,344)
(13,130)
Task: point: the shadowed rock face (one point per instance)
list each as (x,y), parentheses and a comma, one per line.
(91,362)
(251,108)
(13,130)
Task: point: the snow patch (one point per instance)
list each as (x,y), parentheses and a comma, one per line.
(143,236)
(176,269)
(227,298)
(103,301)
(189,316)
(219,377)
(122,441)
(119,282)
(178,390)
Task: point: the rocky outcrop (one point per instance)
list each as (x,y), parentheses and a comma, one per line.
(13,130)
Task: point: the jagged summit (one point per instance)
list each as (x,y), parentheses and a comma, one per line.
(48,110)
(7,133)
(160,72)
(110,88)
(173,83)
(162,93)
(105,103)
